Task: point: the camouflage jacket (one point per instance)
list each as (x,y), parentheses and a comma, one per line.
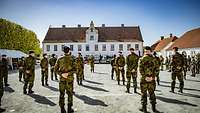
(158,64)
(112,62)
(65,64)
(4,64)
(52,61)
(177,62)
(21,63)
(147,66)
(29,64)
(44,63)
(132,62)
(79,62)
(120,61)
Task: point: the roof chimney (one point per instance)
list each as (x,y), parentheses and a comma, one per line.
(122,25)
(63,26)
(103,25)
(171,35)
(79,25)
(162,37)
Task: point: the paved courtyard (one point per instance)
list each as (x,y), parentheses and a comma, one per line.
(100,94)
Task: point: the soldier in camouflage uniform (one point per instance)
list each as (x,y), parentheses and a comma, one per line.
(167,63)
(198,63)
(5,69)
(91,62)
(44,69)
(113,64)
(147,68)
(29,70)
(1,85)
(161,61)
(158,63)
(21,68)
(120,63)
(52,62)
(193,66)
(65,67)
(79,69)
(189,62)
(185,64)
(131,71)
(177,70)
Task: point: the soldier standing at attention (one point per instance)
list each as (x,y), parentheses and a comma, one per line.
(112,62)
(158,63)
(44,69)
(147,68)
(91,61)
(185,64)
(131,71)
(65,68)
(1,85)
(177,70)
(193,66)
(120,63)
(167,63)
(29,68)
(21,68)
(5,69)
(161,60)
(189,62)
(52,62)
(79,69)
(198,63)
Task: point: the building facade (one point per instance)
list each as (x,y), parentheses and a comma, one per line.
(105,41)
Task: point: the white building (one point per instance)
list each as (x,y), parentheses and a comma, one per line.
(93,40)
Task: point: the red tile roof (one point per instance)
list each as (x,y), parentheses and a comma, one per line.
(161,44)
(190,39)
(105,34)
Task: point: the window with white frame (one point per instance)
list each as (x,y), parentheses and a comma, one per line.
(91,38)
(48,47)
(96,47)
(71,47)
(87,47)
(62,47)
(112,47)
(55,48)
(128,46)
(136,46)
(79,47)
(104,47)
(120,47)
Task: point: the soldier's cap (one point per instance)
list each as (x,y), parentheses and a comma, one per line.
(3,55)
(147,48)
(30,52)
(44,54)
(79,53)
(131,49)
(66,49)
(154,53)
(120,52)
(175,48)
(53,55)
(22,57)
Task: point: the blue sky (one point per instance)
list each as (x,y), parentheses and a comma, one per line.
(155,17)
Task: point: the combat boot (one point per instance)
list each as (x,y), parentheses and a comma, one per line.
(135,90)
(2,110)
(25,92)
(180,90)
(123,82)
(46,83)
(154,107)
(42,83)
(69,109)
(30,91)
(172,90)
(143,108)
(118,82)
(128,90)
(63,109)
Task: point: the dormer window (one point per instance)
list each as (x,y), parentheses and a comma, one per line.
(91,38)
(92,29)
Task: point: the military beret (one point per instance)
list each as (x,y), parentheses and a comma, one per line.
(66,49)
(131,49)
(147,48)
(30,52)
(44,54)
(53,55)
(120,52)
(175,48)
(3,55)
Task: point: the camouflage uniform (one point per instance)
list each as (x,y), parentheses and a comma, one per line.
(193,67)
(131,71)
(1,85)
(189,63)
(113,64)
(52,62)
(5,70)
(21,69)
(91,62)
(29,69)
(161,61)
(177,68)
(44,71)
(64,65)
(167,63)
(158,64)
(185,66)
(198,63)
(147,68)
(120,63)
(79,69)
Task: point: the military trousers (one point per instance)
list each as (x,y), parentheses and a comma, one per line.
(21,74)
(132,75)
(44,75)
(79,75)
(53,74)
(122,71)
(29,81)
(178,75)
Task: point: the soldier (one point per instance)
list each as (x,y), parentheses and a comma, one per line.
(79,68)
(44,69)
(1,85)
(170,61)
(158,63)
(167,63)
(131,71)
(189,62)
(120,63)
(65,68)
(5,69)
(185,64)
(198,63)
(52,62)
(113,64)
(177,69)
(193,66)
(29,70)
(91,62)
(147,68)
(21,68)
(161,60)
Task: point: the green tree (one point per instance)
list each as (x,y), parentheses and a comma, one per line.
(16,37)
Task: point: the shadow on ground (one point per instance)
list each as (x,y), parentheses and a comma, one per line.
(93,82)
(42,100)
(95,88)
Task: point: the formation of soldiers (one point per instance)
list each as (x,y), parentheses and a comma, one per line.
(148,67)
